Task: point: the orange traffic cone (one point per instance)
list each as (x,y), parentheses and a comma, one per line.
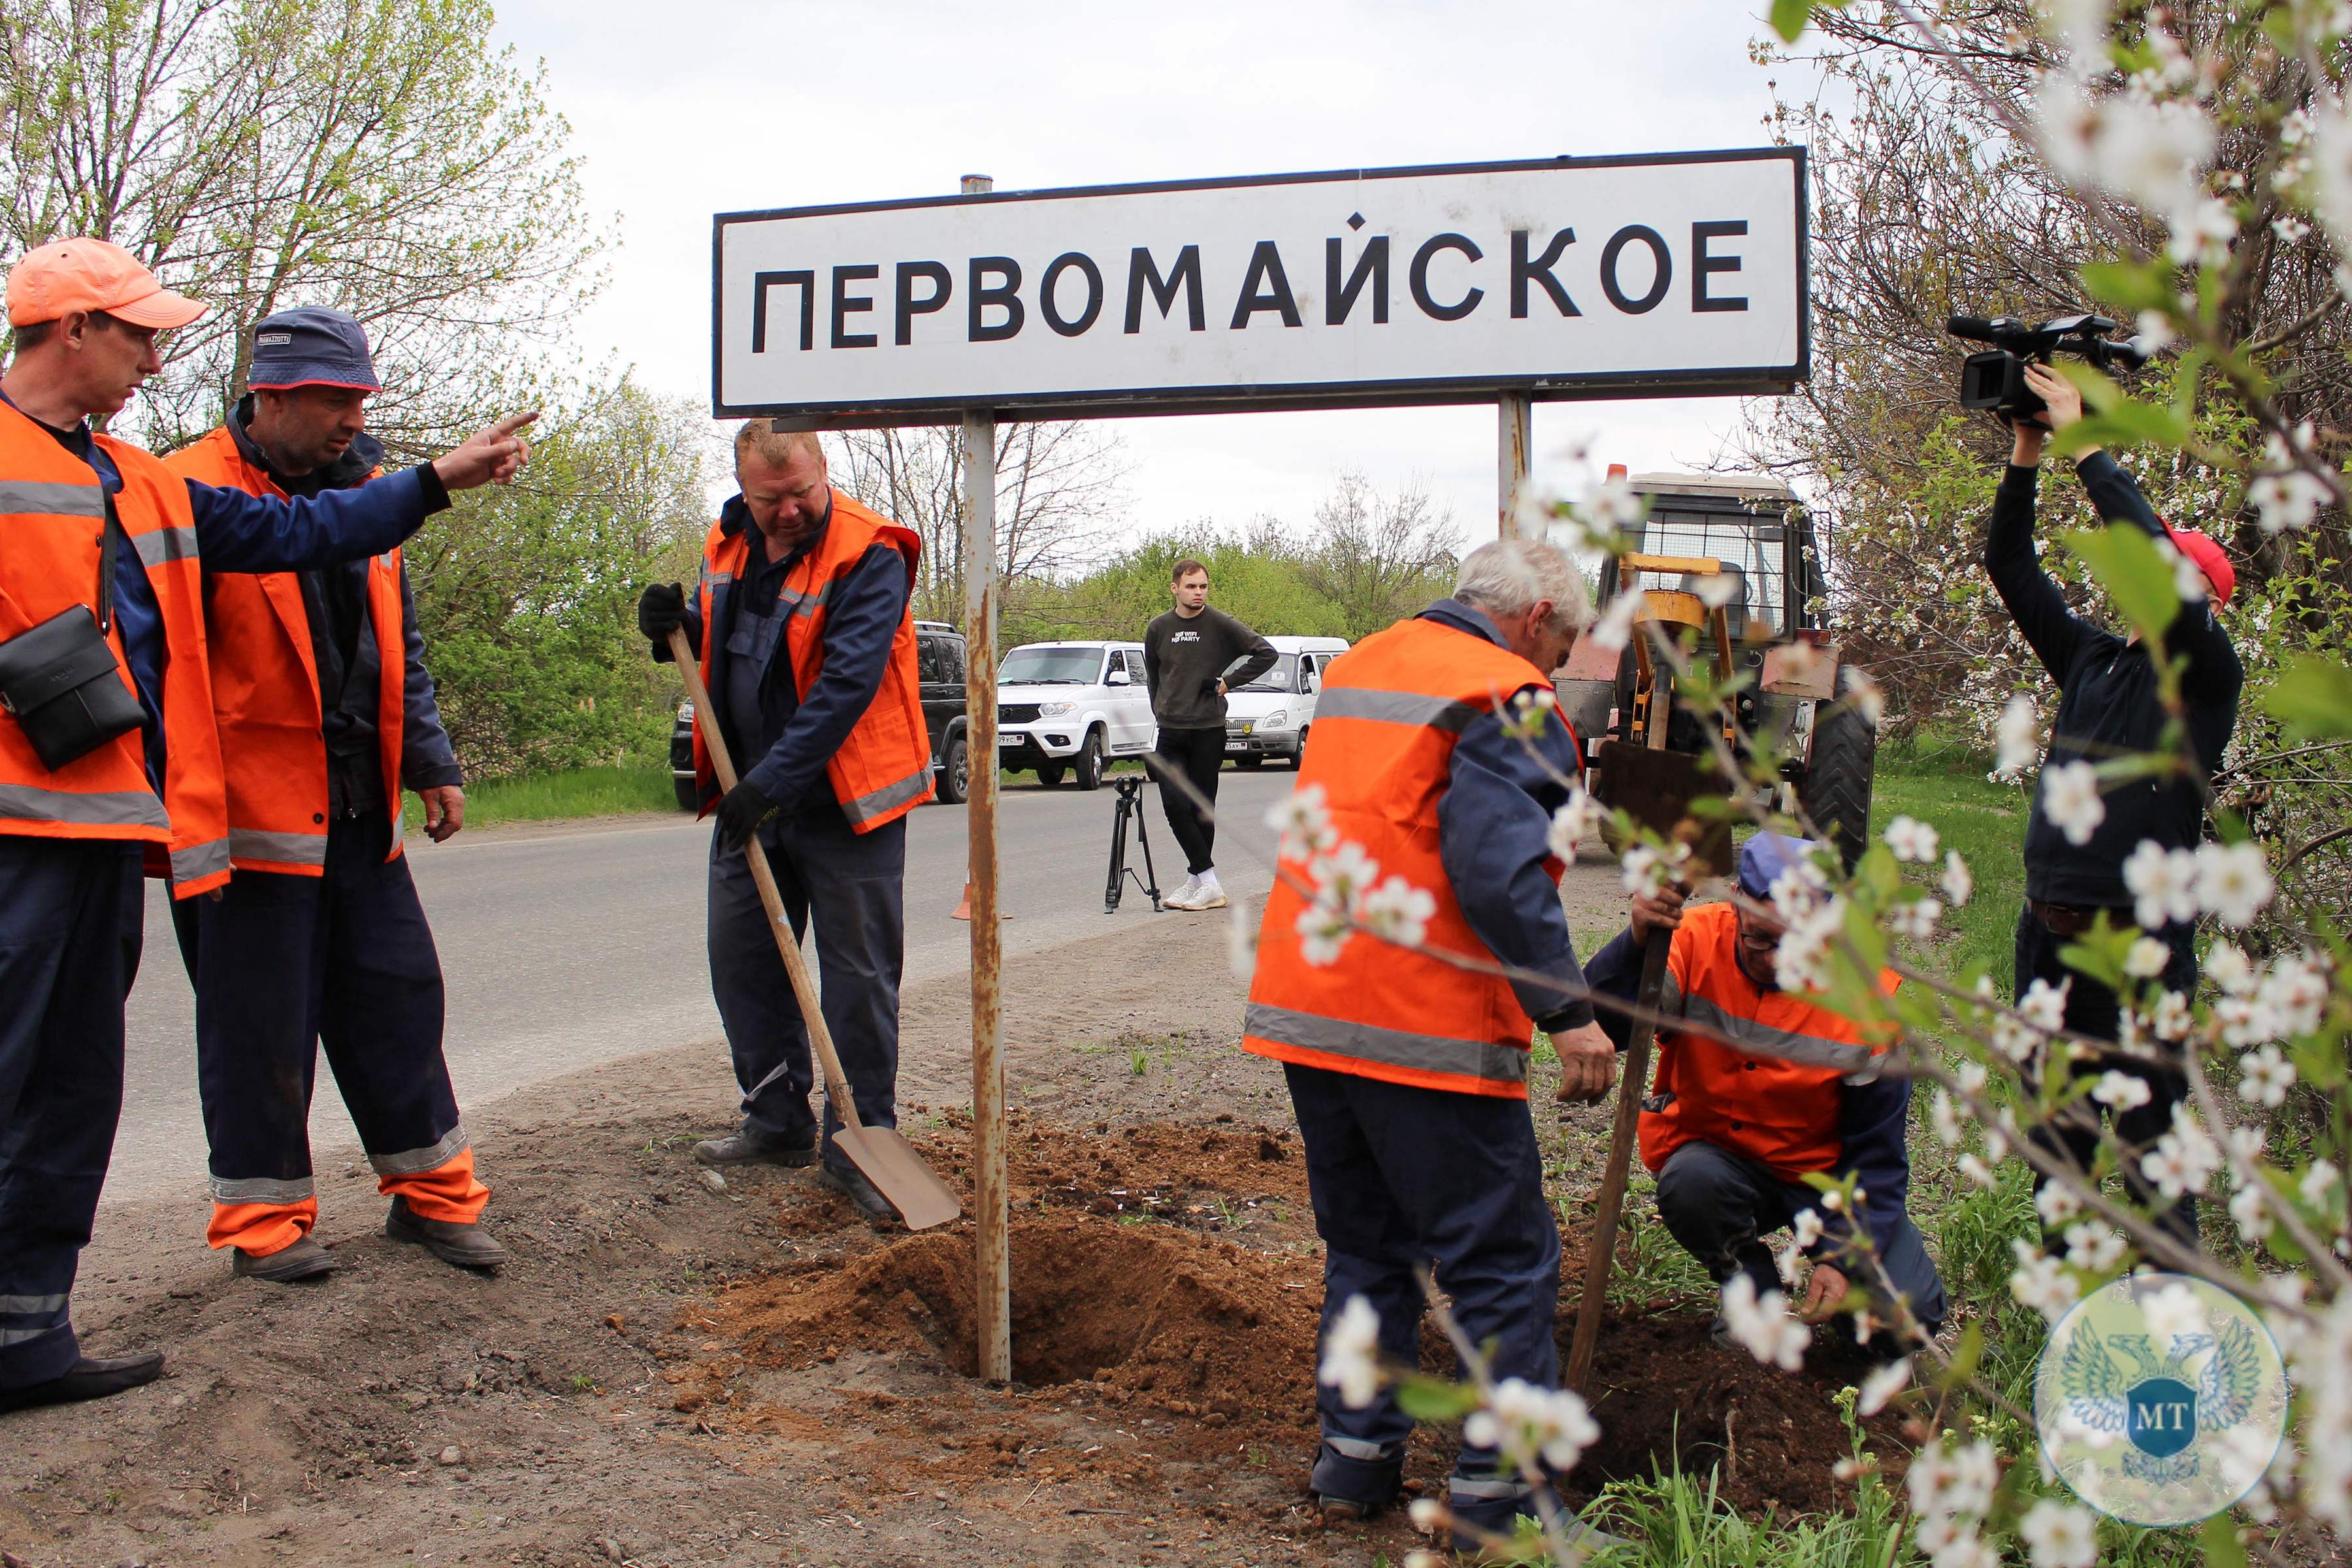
(963,910)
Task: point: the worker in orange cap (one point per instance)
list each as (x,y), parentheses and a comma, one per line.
(108,757)
(326,712)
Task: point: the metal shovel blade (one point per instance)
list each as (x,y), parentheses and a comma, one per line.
(899,1174)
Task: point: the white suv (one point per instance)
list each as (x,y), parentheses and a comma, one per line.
(1269,717)
(1067,708)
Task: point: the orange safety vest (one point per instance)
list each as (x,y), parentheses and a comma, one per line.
(52,519)
(265,688)
(1391,712)
(884,770)
(1779,1104)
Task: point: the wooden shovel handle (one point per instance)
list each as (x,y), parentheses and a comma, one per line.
(1601,1250)
(837,1087)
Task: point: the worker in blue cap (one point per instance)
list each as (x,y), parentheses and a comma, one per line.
(1731,1131)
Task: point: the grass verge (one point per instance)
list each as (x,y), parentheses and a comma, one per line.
(580,791)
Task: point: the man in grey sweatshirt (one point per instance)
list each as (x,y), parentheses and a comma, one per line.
(1191,656)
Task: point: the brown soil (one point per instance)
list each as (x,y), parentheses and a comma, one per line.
(673,1374)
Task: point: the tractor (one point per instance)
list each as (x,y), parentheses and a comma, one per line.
(1733,558)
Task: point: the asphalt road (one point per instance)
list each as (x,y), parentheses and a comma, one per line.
(567,946)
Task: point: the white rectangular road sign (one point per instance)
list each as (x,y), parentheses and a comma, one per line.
(1672,275)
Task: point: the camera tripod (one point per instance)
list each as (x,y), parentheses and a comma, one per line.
(1131,809)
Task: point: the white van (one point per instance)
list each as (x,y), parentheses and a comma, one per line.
(1067,708)
(1269,717)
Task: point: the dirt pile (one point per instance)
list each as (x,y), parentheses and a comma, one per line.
(1194,1326)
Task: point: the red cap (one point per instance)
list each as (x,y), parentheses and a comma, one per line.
(2211,559)
(69,275)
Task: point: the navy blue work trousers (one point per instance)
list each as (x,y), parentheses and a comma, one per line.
(1405,1178)
(2094,1010)
(1719,1203)
(853,886)
(283,966)
(70,911)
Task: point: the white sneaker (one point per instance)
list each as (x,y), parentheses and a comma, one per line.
(1208,895)
(1182,898)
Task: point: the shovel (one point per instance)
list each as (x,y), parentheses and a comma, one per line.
(880,1154)
(1657,788)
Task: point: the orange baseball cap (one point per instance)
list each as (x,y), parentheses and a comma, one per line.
(69,275)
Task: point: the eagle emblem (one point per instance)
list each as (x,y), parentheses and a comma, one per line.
(2161,1403)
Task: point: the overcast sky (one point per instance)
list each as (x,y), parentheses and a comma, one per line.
(683,109)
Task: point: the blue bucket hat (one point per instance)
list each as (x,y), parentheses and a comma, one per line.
(311,346)
(1765,856)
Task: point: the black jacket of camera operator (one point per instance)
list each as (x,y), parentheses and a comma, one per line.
(2108,703)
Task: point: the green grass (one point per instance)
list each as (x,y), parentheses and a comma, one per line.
(552,797)
(1945,787)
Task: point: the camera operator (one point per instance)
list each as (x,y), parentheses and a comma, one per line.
(2109,706)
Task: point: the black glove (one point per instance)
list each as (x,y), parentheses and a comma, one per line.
(661,610)
(740,814)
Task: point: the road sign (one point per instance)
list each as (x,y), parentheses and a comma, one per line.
(1668,275)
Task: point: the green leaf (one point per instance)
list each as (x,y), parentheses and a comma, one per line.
(2136,577)
(2314,699)
(2222,1547)
(1789,18)
(2099,951)
(2131,286)
(1426,1398)
(1964,1356)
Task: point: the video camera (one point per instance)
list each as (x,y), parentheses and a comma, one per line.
(1995,379)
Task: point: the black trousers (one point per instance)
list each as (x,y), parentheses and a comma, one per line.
(1193,756)
(70,912)
(2093,1009)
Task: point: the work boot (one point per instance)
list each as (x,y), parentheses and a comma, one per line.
(91,1377)
(870,1204)
(466,1245)
(750,1148)
(305,1260)
(1348,1488)
(1476,1519)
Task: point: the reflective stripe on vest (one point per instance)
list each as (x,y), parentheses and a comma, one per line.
(908,790)
(200,860)
(166,545)
(1395,1047)
(1397,708)
(34,497)
(1763,1039)
(288,848)
(124,808)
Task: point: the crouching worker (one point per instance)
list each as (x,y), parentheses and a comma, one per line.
(1731,1133)
(1408,1073)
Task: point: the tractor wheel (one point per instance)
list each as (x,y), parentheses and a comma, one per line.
(1836,793)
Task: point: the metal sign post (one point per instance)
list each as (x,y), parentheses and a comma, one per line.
(992,1209)
(1513,417)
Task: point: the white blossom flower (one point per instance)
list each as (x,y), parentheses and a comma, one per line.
(1351,1355)
(2233,882)
(1800,961)
(1427,1514)
(2295,988)
(2059,1535)
(1396,911)
(1574,823)
(2318,1183)
(2173,1019)
(1971,1165)
(1304,819)
(1613,505)
(1763,1324)
(1241,939)
(2153,329)
(1944,1116)
(1912,840)
(2264,1078)
(2041,1281)
(1648,869)
(1957,884)
(1614,629)
(2250,1209)
(2201,236)
(2244,1142)
(2094,1246)
(1323,930)
(2227,965)
(2163,885)
(1519,1418)
(2184,1158)
(2057,1203)
(2045,1005)
(2173,1312)
(1868,698)
(1717,590)
(1797,891)
(1345,875)
(2246,1021)
(2018,736)
(1946,1480)
(1806,1227)
(1916,919)
(2070,798)
(2121,1090)
(2147,958)
(1882,1386)
(2288,499)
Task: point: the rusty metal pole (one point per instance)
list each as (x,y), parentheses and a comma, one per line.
(991,1232)
(1514,413)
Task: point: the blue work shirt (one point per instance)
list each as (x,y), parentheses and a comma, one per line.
(239,533)
(1493,838)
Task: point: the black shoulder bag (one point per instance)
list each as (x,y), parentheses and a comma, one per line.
(61,681)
